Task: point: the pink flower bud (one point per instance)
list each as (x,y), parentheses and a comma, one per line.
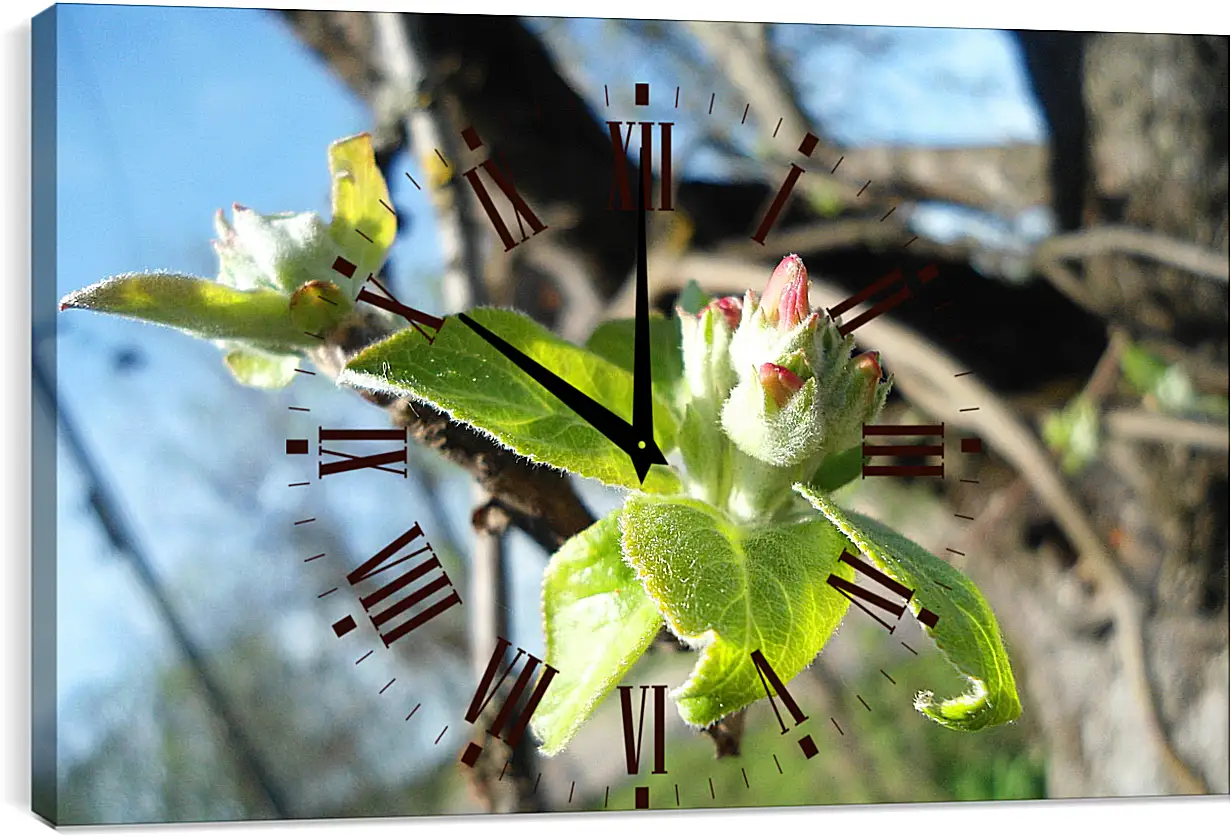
(794,308)
(730,308)
(786,294)
(868,365)
(779,382)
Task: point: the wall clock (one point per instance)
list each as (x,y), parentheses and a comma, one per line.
(701,556)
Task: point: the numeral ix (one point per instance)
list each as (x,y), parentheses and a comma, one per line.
(521,210)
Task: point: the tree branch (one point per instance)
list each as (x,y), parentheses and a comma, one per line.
(1155,427)
(1000,179)
(1097,241)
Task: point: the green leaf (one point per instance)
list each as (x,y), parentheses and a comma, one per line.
(597,620)
(1073,433)
(1142,368)
(731,590)
(692,297)
(613,340)
(363,225)
(197,306)
(463,375)
(966,633)
(254,368)
(836,470)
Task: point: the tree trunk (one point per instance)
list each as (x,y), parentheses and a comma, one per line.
(1155,157)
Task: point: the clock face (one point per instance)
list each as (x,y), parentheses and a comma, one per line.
(620,438)
(402,591)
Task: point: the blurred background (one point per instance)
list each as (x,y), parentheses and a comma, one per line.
(1072,187)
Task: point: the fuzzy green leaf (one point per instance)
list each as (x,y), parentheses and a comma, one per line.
(463,375)
(597,620)
(692,297)
(836,470)
(363,224)
(254,368)
(613,340)
(966,633)
(731,590)
(199,307)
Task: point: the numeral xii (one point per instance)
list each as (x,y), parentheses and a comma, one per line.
(621,189)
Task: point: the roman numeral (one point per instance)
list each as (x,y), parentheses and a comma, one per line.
(355,462)
(504,725)
(926,275)
(619,151)
(850,590)
(390,303)
(936,450)
(769,679)
(632,744)
(420,593)
(775,209)
(521,210)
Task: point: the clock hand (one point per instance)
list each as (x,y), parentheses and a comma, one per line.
(641,449)
(643,393)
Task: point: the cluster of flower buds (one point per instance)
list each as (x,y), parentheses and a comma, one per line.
(776,380)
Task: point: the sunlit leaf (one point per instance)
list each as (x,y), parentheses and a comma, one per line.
(731,590)
(966,632)
(614,341)
(597,620)
(363,225)
(463,375)
(198,306)
(261,369)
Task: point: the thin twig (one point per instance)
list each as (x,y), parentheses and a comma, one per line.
(1136,424)
(1096,241)
(458,236)
(727,734)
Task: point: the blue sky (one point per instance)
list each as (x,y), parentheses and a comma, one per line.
(166,114)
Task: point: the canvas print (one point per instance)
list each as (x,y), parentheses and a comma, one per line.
(447,414)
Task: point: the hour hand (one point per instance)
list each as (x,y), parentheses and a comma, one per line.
(640,447)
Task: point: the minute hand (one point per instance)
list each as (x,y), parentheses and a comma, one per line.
(643,387)
(640,448)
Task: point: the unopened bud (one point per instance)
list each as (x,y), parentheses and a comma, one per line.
(790,273)
(779,382)
(794,307)
(868,365)
(731,308)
